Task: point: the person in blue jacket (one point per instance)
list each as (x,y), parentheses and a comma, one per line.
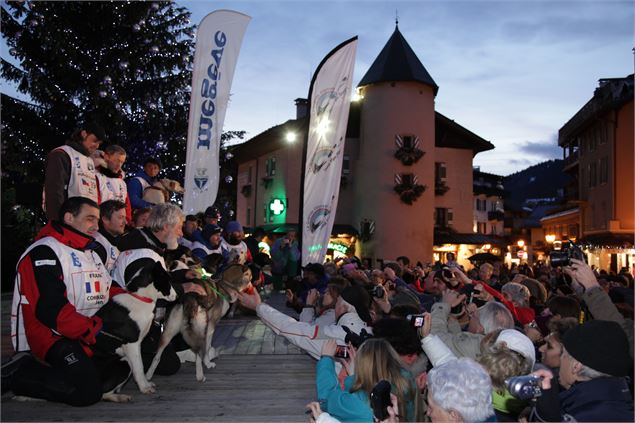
(143,180)
(375,360)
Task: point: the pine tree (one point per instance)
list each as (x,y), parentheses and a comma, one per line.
(125,64)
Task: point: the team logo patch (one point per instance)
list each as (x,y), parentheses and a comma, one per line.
(76,261)
(70,358)
(45,262)
(201,178)
(78,163)
(318,218)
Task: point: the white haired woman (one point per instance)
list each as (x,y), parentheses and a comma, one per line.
(460,391)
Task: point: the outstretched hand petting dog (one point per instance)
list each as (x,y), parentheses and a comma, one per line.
(249,300)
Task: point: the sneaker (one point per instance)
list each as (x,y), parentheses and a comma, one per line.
(11,367)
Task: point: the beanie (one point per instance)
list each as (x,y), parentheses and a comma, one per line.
(233,226)
(600,345)
(210,230)
(359,298)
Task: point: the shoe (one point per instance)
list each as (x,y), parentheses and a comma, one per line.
(11,367)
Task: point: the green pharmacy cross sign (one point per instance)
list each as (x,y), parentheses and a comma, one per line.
(276,206)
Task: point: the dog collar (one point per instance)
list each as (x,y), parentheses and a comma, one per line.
(139,297)
(223,296)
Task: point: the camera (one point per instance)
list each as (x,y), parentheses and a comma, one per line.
(415,320)
(524,387)
(563,257)
(341,351)
(380,400)
(376,291)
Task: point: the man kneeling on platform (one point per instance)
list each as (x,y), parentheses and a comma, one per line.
(351,311)
(60,284)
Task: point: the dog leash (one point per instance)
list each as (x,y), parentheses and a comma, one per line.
(223,296)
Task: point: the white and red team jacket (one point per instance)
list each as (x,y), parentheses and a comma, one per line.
(59,286)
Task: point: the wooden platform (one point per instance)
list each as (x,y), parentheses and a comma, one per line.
(258,377)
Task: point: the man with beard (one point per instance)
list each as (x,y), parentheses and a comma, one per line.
(234,248)
(110,182)
(59,286)
(190,227)
(112,224)
(70,171)
(150,244)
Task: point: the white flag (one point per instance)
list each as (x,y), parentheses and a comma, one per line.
(329,98)
(218,41)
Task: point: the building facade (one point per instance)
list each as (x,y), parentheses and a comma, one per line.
(598,151)
(406,174)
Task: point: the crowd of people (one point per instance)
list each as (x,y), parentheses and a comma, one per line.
(491,343)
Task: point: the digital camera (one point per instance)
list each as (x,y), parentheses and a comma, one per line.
(376,291)
(341,351)
(524,387)
(415,320)
(563,257)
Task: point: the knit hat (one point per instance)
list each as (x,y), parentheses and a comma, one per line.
(316,268)
(211,211)
(210,230)
(359,298)
(233,226)
(518,342)
(96,129)
(600,345)
(153,160)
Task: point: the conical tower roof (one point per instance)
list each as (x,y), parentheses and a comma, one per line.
(397,62)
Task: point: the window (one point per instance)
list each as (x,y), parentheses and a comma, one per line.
(604,132)
(439,172)
(481,204)
(346,165)
(264,213)
(271,166)
(407,179)
(408,141)
(604,170)
(443,217)
(593,174)
(482,227)
(593,141)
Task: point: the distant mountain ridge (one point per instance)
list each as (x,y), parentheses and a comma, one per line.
(541,181)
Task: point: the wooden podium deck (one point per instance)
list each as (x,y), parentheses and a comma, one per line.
(259,377)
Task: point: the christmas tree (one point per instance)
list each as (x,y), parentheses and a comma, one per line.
(125,64)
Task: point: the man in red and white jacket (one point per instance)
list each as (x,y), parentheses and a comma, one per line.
(60,284)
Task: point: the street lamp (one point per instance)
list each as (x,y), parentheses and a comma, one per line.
(550,238)
(290,137)
(520,243)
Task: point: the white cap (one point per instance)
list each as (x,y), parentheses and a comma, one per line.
(518,342)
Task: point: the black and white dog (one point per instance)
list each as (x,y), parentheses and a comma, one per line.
(127,319)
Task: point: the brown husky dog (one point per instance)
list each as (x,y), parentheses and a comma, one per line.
(195,316)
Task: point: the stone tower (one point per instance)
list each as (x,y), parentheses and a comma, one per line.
(397,117)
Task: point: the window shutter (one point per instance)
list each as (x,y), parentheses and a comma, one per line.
(450,217)
(273,166)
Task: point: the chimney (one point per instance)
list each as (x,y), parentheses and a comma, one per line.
(301,108)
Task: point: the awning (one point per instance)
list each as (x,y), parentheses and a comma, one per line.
(458,238)
(609,239)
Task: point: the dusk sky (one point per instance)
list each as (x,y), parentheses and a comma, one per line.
(513,72)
